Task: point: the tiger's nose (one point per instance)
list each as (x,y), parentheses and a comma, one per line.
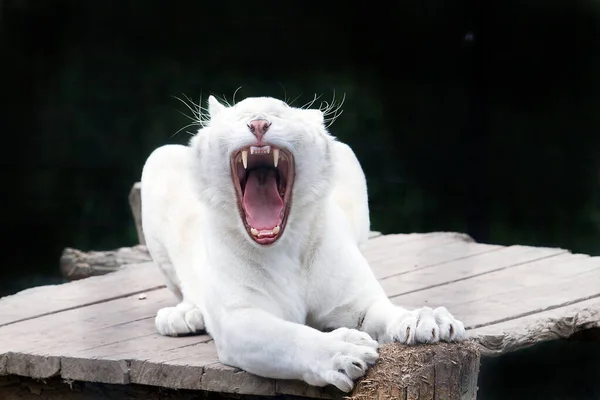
(259,127)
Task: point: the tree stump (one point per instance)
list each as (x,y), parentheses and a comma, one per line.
(444,371)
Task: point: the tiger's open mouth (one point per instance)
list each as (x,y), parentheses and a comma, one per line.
(263,178)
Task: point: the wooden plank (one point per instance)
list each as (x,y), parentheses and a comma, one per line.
(513,292)
(84,331)
(430,274)
(21,388)
(32,365)
(145,344)
(177,368)
(135,203)
(374,246)
(44,300)
(389,256)
(550,324)
(151,360)
(117,343)
(110,343)
(389,246)
(192,366)
(81,328)
(162,370)
(197,367)
(300,388)
(98,343)
(91,370)
(412,261)
(222,378)
(384,241)
(139,278)
(184,371)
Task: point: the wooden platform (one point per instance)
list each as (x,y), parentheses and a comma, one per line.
(101,329)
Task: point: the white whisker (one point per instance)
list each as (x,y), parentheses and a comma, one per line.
(199,118)
(195,120)
(310,103)
(284,93)
(196,110)
(292,102)
(224,100)
(332,111)
(234,93)
(189,107)
(187,126)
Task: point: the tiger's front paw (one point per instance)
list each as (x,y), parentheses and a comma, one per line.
(424,325)
(183,319)
(344,356)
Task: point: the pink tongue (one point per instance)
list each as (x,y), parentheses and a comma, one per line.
(262,202)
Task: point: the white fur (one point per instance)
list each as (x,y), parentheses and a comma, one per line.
(269,308)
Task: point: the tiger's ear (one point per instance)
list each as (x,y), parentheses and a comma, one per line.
(214,107)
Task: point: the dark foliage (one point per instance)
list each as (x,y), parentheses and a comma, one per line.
(481,120)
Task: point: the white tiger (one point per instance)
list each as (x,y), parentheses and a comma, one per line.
(256,226)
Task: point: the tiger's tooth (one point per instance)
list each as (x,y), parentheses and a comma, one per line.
(276,229)
(254,231)
(275,157)
(245,158)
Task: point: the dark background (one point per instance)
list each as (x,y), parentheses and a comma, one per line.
(471,116)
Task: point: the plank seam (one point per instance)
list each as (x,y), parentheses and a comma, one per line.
(203,341)
(208,340)
(92,303)
(112,343)
(440,263)
(424,236)
(536,311)
(446,240)
(125,323)
(476,275)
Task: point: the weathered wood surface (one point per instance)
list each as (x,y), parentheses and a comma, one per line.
(51,299)
(135,203)
(547,324)
(429,372)
(21,388)
(101,329)
(76,264)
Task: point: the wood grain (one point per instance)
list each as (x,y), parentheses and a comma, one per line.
(100,329)
(3,364)
(430,274)
(135,203)
(556,323)
(85,327)
(511,293)
(427,372)
(44,300)
(76,264)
